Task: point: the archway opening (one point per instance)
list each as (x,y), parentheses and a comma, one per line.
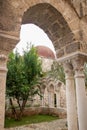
(31,34)
(55,30)
(54,25)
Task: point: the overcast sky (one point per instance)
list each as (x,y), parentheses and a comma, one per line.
(31,33)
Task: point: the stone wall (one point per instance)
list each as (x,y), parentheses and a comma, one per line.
(46,64)
(60,98)
(61,113)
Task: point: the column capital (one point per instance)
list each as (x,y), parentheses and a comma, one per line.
(78,63)
(8,41)
(3,61)
(3,57)
(68,68)
(78,66)
(42,88)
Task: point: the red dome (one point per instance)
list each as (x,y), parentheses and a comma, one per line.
(45,52)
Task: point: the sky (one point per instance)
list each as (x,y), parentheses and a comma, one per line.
(31,33)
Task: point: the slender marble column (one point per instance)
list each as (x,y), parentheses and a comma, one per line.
(58,99)
(42,93)
(70,97)
(57,89)
(52,99)
(3,72)
(49,98)
(81,94)
(43,100)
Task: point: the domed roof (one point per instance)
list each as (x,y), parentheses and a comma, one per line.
(45,52)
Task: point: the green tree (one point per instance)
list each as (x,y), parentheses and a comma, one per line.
(57,72)
(22,77)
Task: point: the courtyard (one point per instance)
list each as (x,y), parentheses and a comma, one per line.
(65,23)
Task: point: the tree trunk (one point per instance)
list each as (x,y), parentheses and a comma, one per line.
(13,109)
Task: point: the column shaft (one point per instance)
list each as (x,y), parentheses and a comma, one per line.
(78,65)
(3,72)
(70,98)
(49,99)
(58,99)
(52,99)
(81,100)
(43,100)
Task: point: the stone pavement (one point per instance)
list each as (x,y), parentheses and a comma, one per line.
(54,125)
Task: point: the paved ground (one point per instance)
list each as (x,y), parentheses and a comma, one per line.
(54,125)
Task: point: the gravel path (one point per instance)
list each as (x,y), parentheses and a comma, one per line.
(54,125)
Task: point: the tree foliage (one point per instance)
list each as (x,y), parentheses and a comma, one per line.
(23,74)
(57,72)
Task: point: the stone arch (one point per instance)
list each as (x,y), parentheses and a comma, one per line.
(50,87)
(58,85)
(54,24)
(42,89)
(17,10)
(43,86)
(60,91)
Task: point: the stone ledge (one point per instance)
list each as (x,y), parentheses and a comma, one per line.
(71,56)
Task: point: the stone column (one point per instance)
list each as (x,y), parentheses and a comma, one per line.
(70,97)
(42,99)
(58,98)
(57,89)
(78,65)
(51,104)
(49,99)
(52,99)
(3,72)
